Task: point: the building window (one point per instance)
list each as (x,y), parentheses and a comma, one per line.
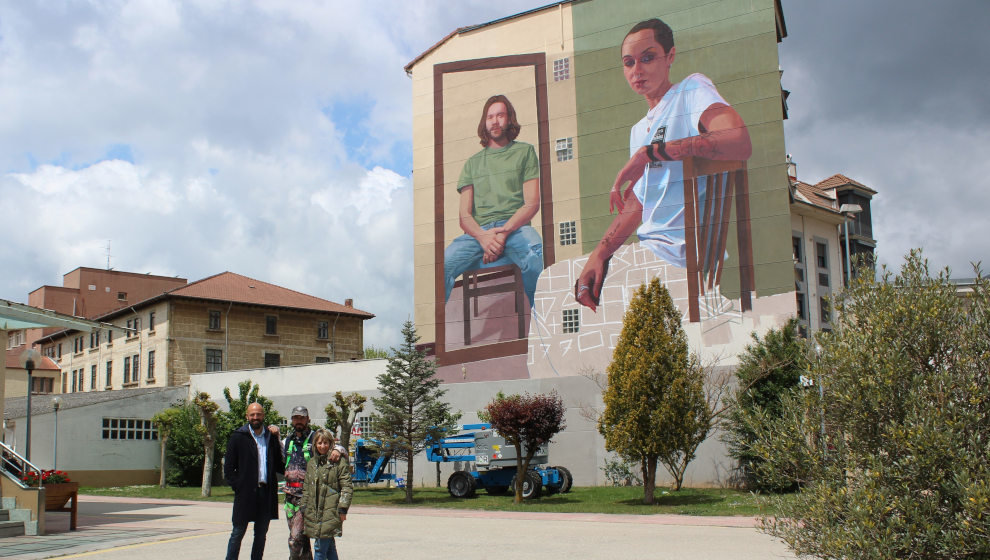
(798,253)
(272,360)
(568,233)
(322,360)
(565,149)
(151,321)
(65,382)
(129,428)
(323,330)
(151,364)
(214,321)
(822,250)
(561,69)
(271,324)
(363,425)
(127,370)
(823,279)
(42,385)
(109,381)
(74,381)
(109,337)
(214,359)
(121,296)
(92,377)
(826,310)
(572,320)
(60,350)
(137,327)
(802,313)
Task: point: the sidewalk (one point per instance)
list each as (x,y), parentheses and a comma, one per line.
(119,528)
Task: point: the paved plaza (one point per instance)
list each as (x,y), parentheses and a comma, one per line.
(149,529)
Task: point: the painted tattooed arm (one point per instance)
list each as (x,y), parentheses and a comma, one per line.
(723,136)
(588,289)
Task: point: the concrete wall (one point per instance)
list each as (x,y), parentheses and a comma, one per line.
(579,448)
(84,454)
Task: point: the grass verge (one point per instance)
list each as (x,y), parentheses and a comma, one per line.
(591,499)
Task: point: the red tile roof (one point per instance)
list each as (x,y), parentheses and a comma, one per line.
(13,360)
(817,196)
(839,180)
(228,286)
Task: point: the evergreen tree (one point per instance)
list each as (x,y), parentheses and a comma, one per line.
(410,408)
(655,406)
(769,369)
(896,451)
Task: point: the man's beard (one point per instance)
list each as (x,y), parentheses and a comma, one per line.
(255,424)
(300,428)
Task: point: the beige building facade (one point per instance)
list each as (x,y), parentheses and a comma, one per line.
(223,322)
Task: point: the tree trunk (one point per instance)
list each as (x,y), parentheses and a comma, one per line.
(207,488)
(409,477)
(520,476)
(161,480)
(649,466)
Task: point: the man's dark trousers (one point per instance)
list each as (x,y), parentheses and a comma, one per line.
(262,518)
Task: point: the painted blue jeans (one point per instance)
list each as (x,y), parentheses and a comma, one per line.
(523,248)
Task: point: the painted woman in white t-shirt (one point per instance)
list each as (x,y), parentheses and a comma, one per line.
(685,119)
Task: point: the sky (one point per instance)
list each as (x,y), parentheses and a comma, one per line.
(273,139)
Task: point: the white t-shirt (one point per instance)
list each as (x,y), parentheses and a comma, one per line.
(661,189)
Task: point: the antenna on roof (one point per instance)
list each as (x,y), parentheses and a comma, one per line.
(108,255)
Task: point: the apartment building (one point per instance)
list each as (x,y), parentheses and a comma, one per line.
(821,215)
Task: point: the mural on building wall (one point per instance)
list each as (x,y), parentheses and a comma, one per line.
(680,193)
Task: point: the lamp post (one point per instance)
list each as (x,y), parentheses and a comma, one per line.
(56,404)
(848,211)
(29,359)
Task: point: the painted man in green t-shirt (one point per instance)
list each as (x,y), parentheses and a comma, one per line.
(499,194)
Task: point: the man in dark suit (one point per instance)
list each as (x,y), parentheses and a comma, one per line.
(253,459)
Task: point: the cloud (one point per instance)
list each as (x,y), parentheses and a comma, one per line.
(892,94)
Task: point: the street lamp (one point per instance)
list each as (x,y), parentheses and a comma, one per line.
(56,404)
(848,211)
(29,359)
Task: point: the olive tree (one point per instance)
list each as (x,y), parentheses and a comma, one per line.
(894,451)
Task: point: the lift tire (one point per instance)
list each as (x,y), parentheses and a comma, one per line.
(532,485)
(461,485)
(497,490)
(566,480)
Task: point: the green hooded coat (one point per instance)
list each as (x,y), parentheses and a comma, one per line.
(327,494)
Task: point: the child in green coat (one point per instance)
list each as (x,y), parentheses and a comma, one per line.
(327,494)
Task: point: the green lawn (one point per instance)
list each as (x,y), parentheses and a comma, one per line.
(593,499)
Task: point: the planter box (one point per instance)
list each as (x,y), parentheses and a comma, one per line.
(58,495)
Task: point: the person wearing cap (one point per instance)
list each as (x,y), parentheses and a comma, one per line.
(297,449)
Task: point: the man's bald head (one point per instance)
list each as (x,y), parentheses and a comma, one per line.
(255,416)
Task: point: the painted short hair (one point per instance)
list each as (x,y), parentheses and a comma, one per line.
(511,130)
(662,33)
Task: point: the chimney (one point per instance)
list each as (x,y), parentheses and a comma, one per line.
(791,169)
(348,302)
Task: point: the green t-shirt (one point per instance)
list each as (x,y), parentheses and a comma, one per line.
(498,175)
